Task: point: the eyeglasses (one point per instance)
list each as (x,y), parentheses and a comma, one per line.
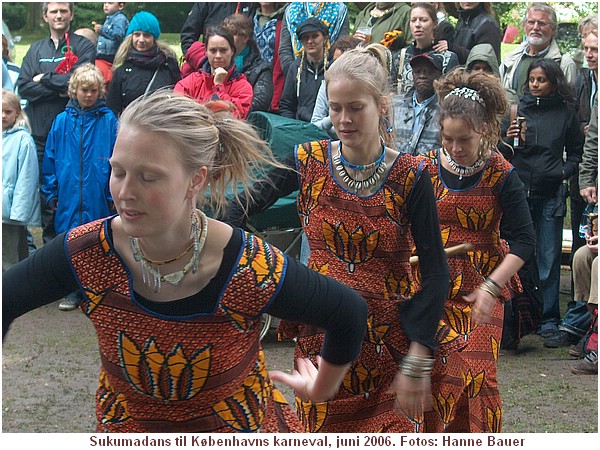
(540,23)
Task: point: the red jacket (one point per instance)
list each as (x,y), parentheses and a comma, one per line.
(236,89)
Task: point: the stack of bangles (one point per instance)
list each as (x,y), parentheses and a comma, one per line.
(416,366)
(491,287)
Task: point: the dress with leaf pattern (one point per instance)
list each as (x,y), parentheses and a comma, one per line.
(366,243)
(164,374)
(464,379)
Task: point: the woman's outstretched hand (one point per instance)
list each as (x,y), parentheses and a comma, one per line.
(313,383)
(302,380)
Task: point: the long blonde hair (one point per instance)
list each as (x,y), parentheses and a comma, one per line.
(230,148)
(21,121)
(127,45)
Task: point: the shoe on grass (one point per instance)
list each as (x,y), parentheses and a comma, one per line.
(587,365)
(561,339)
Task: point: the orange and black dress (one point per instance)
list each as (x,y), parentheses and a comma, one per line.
(464,378)
(166,367)
(366,242)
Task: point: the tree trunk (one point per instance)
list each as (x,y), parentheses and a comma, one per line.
(34,17)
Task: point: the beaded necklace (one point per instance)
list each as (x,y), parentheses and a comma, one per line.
(462,171)
(151,277)
(378,166)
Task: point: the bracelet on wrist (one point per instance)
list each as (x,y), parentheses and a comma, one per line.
(416,366)
(490,287)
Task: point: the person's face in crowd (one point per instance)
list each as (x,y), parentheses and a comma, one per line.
(480,66)
(87,95)
(538,29)
(590,48)
(424,73)
(142,41)
(460,140)
(219,52)
(152,191)
(111,7)
(9,116)
(468,5)
(422,26)
(240,42)
(354,113)
(58,17)
(539,84)
(314,45)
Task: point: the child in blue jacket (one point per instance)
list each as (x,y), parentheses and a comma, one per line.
(20,185)
(110,36)
(76,171)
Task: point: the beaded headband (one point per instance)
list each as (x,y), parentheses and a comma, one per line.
(468,93)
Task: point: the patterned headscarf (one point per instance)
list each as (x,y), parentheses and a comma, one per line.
(332,14)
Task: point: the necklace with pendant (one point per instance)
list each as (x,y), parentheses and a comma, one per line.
(378,167)
(462,171)
(151,276)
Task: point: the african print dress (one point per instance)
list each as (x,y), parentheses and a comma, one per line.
(464,378)
(181,374)
(365,243)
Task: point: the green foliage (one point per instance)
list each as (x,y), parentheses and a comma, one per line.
(86,13)
(14,15)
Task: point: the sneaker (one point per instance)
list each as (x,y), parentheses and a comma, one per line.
(561,339)
(577,349)
(587,365)
(69,304)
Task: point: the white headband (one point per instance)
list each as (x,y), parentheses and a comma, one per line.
(466,92)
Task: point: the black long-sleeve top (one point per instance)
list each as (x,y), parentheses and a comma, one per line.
(305,296)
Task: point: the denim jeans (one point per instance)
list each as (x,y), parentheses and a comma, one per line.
(548,231)
(577,319)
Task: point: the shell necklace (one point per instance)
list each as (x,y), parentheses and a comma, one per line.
(462,171)
(152,277)
(378,167)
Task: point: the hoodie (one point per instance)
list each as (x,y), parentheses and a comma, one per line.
(486,53)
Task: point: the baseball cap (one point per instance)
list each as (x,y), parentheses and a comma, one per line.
(310,25)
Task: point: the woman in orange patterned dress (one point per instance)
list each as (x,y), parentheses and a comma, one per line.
(474,185)
(364,208)
(176,298)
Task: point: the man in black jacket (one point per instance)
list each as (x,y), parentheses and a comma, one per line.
(44,79)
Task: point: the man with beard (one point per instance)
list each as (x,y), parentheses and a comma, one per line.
(539,28)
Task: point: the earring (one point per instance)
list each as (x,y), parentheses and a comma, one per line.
(387,124)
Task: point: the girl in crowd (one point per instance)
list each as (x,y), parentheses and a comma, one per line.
(249,62)
(20,181)
(142,64)
(363,207)
(218,80)
(334,14)
(474,185)
(176,298)
(551,129)
(423,26)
